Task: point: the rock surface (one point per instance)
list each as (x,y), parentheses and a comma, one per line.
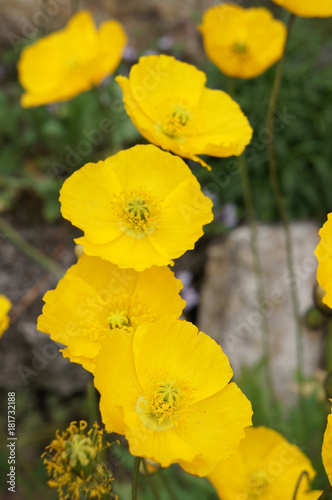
(28,358)
(229,310)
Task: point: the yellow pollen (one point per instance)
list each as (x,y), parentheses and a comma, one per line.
(239,48)
(137,213)
(118,319)
(257,485)
(160,409)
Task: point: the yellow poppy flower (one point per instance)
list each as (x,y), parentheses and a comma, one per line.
(323,253)
(242,43)
(267,467)
(70,61)
(96,297)
(167,391)
(327,448)
(139,208)
(307,8)
(5,306)
(167,101)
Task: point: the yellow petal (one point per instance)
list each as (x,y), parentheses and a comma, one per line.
(115,378)
(85,200)
(65,63)
(185,211)
(215,426)
(5,306)
(327,448)
(225,133)
(77,312)
(307,8)
(112,41)
(266,464)
(182,351)
(165,447)
(323,253)
(154,79)
(126,252)
(99,198)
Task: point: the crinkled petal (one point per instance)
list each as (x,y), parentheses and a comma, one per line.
(206,367)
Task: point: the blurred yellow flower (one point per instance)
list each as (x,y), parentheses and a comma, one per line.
(307,8)
(323,253)
(5,306)
(169,104)
(327,448)
(73,466)
(70,61)
(167,391)
(96,297)
(139,208)
(267,468)
(242,43)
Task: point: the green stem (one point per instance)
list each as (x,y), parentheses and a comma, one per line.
(258,270)
(150,482)
(92,403)
(260,289)
(31,251)
(325,494)
(304,473)
(166,484)
(282,209)
(135,478)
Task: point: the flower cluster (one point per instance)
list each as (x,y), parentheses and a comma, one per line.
(73,465)
(163,384)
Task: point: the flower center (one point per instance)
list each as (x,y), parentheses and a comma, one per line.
(257,485)
(240,48)
(160,409)
(137,213)
(80,451)
(137,210)
(175,122)
(118,319)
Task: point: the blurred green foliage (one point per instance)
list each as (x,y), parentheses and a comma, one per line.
(302,133)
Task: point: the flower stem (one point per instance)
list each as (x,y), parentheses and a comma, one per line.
(281,206)
(303,474)
(166,484)
(260,289)
(30,250)
(135,478)
(150,482)
(326,494)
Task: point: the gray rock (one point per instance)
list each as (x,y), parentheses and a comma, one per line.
(229,310)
